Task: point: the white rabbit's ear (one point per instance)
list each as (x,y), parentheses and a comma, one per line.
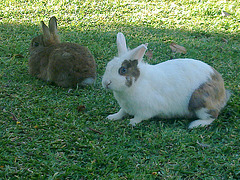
(138,52)
(121,44)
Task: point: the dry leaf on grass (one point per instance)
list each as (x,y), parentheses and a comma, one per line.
(177,48)
(224,13)
(203,145)
(18,56)
(225,40)
(14,117)
(81,108)
(94,130)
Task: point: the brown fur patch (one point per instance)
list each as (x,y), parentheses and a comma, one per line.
(130,70)
(210,95)
(66,64)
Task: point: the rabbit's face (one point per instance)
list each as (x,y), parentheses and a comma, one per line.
(48,38)
(120,74)
(36,43)
(39,42)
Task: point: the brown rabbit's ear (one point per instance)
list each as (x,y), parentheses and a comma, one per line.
(53,29)
(46,31)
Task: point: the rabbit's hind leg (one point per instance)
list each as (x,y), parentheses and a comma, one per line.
(206,117)
(88,81)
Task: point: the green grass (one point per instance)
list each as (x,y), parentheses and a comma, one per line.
(44,136)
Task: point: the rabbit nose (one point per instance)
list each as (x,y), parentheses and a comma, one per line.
(107,83)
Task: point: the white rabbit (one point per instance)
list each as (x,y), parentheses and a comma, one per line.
(175,88)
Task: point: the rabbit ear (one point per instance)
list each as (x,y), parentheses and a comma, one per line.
(46,31)
(53,29)
(138,52)
(47,38)
(121,44)
(53,25)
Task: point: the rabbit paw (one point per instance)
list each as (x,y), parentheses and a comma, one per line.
(119,115)
(114,117)
(134,121)
(200,123)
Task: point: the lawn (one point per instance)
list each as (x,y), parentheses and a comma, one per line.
(49,132)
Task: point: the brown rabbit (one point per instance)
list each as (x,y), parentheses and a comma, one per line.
(65,64)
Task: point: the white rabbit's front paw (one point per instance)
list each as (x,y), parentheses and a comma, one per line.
(134,121)
(119,115)
(113,117)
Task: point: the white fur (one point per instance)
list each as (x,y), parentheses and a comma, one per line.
(162,90)
(121,44)
(117,115)
(205,119)
(88,81)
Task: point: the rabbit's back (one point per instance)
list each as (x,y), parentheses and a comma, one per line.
(66,64)
(71,64)
(180,73)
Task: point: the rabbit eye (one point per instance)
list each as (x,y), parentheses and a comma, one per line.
(122,70)
(36,44)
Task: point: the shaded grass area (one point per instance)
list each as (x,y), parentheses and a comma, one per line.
(44,135)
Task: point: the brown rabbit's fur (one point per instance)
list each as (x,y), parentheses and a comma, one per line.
(65,64)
